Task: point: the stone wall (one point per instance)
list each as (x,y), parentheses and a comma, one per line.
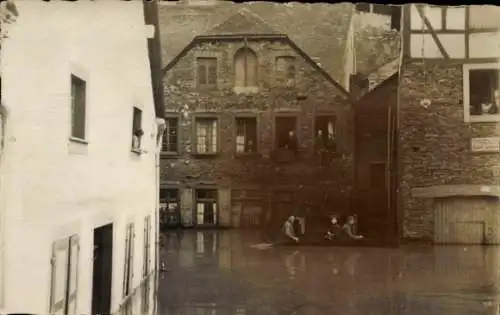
(312,93)
(434,141)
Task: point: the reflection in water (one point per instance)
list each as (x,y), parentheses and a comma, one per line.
(219,272)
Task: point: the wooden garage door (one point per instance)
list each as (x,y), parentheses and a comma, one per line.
(460,220)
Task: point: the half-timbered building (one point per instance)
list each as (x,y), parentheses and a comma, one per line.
(449,119)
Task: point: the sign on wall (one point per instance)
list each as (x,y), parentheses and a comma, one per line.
(483,145)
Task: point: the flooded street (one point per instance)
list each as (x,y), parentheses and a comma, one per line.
(221,273)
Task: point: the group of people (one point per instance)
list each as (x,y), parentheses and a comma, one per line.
(347,231)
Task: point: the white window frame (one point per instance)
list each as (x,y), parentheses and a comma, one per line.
(466,92)
(196,121)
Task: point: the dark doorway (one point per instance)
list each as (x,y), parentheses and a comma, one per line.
(102,272)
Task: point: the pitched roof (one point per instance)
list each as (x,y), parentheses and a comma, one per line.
(319,29)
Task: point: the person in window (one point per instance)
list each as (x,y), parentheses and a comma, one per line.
(334,230)
(136,139)
(292,141)
(288,229)
(349,229)
(321,147)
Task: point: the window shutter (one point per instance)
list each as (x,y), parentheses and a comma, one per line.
(126,263)
(59,276)
(239,68)
(74,255)
(212,74)
(132,249)
(202,74)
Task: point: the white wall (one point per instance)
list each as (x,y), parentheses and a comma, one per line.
(52,187)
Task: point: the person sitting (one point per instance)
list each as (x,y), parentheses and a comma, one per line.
(334,230)
(288,229)
(349,229)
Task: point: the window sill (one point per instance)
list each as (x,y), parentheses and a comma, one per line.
(78,140)
(483,118)
(136,151)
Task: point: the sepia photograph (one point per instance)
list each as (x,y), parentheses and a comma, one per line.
(210,157)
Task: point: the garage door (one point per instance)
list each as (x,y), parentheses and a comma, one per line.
(460,220)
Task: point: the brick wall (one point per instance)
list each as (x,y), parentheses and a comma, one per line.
(434,141)
(257,171)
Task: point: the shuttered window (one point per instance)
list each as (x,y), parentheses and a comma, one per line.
(64,276)
(245,67)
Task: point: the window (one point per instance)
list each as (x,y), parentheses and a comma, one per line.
(128,270)
(246,135)
(325,133)
(206,135)
(481,92)
(245,66)
(285,71)
(484,91)
(169,206)
(206,206)
(137,131)
(286,133)
(78,107)
(170,137)
(64,276)
(206,71)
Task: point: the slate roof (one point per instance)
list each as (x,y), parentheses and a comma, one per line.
(319,29)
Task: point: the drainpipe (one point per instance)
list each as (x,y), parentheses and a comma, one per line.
(160,127)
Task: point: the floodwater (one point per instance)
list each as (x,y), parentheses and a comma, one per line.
(223,273)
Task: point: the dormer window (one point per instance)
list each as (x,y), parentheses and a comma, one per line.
(245,67)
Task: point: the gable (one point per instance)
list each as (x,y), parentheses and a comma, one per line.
(243,22)
(325,39)
(297,52)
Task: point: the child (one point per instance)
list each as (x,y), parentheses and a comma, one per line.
(349,228)
(334,230)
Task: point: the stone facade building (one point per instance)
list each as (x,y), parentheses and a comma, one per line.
(448,124)
(238,79)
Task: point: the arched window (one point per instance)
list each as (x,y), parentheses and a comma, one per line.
(245,64)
